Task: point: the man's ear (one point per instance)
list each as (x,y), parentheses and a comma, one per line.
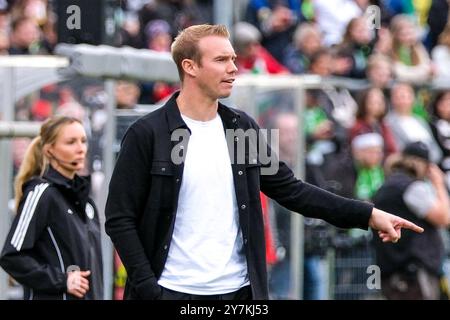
(189,66)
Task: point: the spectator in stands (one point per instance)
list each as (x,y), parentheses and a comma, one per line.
(379,72)
(53,247)
(405,126)
(25,37)
(158,35)
(130,31)
(306,42)
(370,119)
(357,45)
(180,14)
(127,94)
(158,38)
(276,20)
(321,63)
(415,189)
(411,61)
(337,102)
(440,126)
(252,57)
(333,16)
(367,151)
(319,130)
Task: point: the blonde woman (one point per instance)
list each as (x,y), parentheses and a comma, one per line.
(53,248)
(411,61)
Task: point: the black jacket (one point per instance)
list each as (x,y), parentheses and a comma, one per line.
(143,199)
(415,250)
(56,229)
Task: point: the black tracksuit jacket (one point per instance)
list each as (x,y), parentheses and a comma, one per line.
(143,198)
(56,229)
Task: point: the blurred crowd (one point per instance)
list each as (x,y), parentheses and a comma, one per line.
(398,57)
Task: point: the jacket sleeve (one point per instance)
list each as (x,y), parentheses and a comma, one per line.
(309,200)
(314,202)
(18,257)
(128,192)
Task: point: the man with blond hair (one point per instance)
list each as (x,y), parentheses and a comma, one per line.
(193,229)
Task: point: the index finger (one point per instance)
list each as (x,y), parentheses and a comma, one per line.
(409,225)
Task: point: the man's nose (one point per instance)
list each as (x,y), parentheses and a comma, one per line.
(233,68)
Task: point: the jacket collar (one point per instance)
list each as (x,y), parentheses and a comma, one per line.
(77,189)
(175,120)
(57,178)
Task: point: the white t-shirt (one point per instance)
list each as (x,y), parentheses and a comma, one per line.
(206,254)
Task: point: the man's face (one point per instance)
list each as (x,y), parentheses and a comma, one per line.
(217,71)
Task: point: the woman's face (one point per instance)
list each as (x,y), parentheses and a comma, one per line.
(68,153)
(406,33)
(311,43)
(380,74)
(360,32)
(322,66)
(443,107)
(402,99)
(375,104)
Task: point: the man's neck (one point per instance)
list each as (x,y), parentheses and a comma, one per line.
(197,106)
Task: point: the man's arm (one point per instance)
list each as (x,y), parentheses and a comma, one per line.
(128,192)
(315,202)
(389,226)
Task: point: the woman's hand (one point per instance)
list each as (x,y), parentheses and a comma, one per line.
(77,283)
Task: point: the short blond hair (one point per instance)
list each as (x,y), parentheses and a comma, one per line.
(185,45)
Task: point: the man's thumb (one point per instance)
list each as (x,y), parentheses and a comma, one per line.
(393,234)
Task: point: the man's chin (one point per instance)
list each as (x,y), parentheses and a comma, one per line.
(224,95)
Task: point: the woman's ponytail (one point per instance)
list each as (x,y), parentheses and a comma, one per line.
(32,165)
